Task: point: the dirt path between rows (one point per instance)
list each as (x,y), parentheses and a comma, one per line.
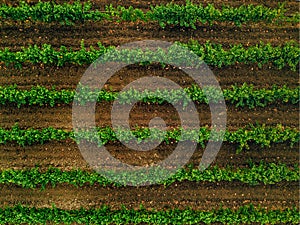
(200,196)
(66,155)
(60,117)
(68,77)
(16,35)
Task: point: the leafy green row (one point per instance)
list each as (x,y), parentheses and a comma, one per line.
(254,175)
(243,96)
(212,54)
(259,134)
(188,15)
(51,12)
(245,214)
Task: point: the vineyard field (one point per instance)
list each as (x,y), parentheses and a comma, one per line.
(252,49)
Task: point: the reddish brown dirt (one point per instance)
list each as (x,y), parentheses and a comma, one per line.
(66,155)
(61,117)
(109,33)
(201,196)
(68,77)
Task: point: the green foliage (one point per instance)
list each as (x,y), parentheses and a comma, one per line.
(126,14)
(51,12)
(251,13)
(253,175)
(243,96)
(35,96)
(259,134)
(48,55)
(212,54)
(31,136)
(188,15)
(262,135)
(295,18)
(104,215)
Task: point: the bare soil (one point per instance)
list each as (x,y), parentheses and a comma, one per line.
(68,77)
(201,196)
(66,155)
(60,117)
(110,33)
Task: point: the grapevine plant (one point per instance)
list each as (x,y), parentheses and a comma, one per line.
(286,55)
(188,15)
(258,134)
(104,215)
(261,173)
(240,96)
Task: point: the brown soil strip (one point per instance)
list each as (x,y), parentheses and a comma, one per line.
(198,196)
(68,77)
(61,117)
(16,34)
(67,156)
